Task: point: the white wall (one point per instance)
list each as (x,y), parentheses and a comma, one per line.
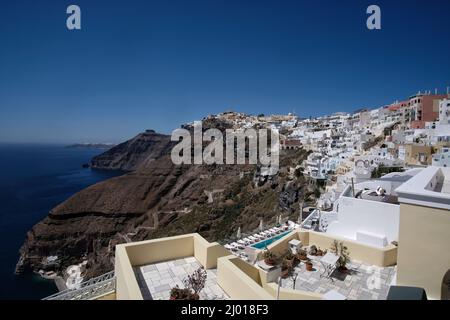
(365,216)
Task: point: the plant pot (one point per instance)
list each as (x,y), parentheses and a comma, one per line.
(194,296)
(303,257)
(309,266)
(270,262)
(290,263)
(284,273)
(343,269)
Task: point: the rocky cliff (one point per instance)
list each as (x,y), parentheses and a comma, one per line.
(158,198)
(140,150)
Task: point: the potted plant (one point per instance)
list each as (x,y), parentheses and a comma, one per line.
(269,257)
(285,269)
(302,255)
(313,250)
(289,259)
(341,250)
(178,293)
(194,283)
(309,265)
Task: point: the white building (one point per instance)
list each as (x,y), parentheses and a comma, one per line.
(370,213)
(442,159)
(444,111)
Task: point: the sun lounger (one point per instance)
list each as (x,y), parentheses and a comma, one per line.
(250,241)
(242,242)
(234,246)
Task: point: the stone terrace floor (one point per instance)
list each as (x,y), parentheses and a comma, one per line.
(360,282)
(156,280)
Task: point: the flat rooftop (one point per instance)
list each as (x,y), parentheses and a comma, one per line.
(155,280)
(430,187)
(360,282)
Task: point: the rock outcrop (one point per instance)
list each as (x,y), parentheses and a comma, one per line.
(140,150)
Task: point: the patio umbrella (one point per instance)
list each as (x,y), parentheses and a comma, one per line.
(260,225)
(238,235)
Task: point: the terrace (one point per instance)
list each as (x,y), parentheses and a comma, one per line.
(155,280)
(370,271)
(360,282)
(148,270)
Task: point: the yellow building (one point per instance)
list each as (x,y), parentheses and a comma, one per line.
(416,154)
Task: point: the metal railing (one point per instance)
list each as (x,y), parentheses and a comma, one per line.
(90,289)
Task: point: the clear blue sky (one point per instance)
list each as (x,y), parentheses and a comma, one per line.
(137,65)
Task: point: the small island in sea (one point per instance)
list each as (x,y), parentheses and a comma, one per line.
(88,145)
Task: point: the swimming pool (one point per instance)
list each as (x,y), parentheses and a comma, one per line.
(264,243)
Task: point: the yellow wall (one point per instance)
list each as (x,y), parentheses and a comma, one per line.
(157,250)
(291,294)
(207,253)
(240,284)
(424,254)
(127,287)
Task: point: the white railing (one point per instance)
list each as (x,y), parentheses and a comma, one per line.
(88,290)
(312,220)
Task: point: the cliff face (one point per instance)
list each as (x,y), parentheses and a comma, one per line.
(157,199)
(127,156)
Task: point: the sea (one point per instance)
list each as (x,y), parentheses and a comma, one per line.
(34,178)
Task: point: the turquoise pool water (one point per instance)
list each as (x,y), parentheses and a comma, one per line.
(264,243)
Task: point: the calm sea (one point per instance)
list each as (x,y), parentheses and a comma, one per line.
(33,180)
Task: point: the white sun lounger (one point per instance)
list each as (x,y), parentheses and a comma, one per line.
(248,240)
(242,242)
(231,247)
(237,245)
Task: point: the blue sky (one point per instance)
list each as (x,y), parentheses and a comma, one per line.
(139,65)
